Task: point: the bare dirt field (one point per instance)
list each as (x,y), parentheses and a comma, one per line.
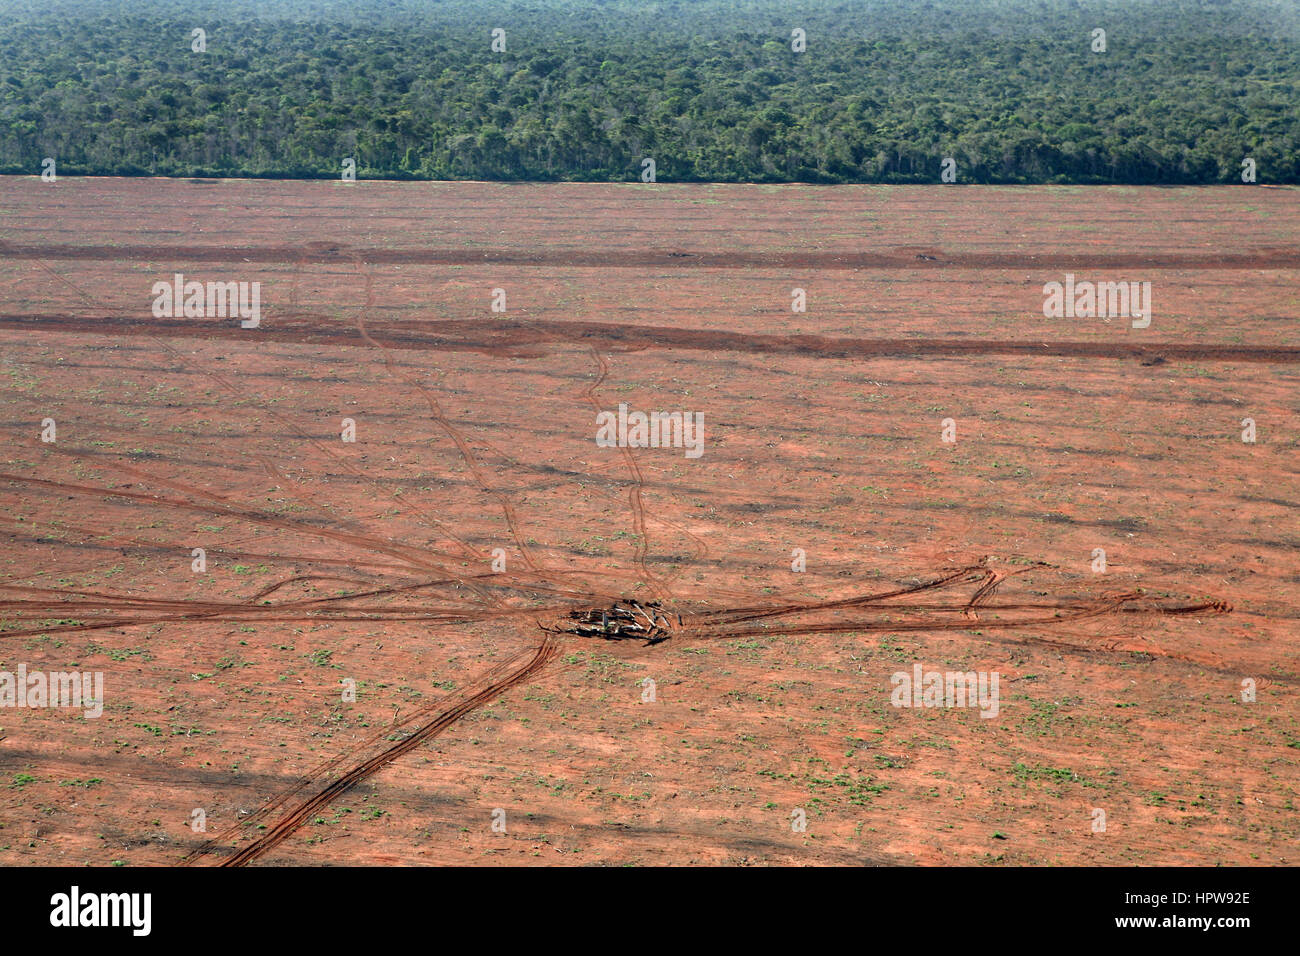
(826,538)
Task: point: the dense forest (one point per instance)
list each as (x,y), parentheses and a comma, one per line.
(1015,91)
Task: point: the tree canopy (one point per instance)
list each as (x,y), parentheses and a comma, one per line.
(1013,90)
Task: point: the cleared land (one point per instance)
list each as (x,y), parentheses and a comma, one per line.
(372,561)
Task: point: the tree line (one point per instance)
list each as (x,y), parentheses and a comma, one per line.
(1013,91)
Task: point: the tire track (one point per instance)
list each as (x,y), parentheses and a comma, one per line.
(508,336)
(342,463)
(458,439)
(634,500)
(300,812)
(1280,257)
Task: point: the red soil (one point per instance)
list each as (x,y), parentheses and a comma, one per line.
(372,561)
